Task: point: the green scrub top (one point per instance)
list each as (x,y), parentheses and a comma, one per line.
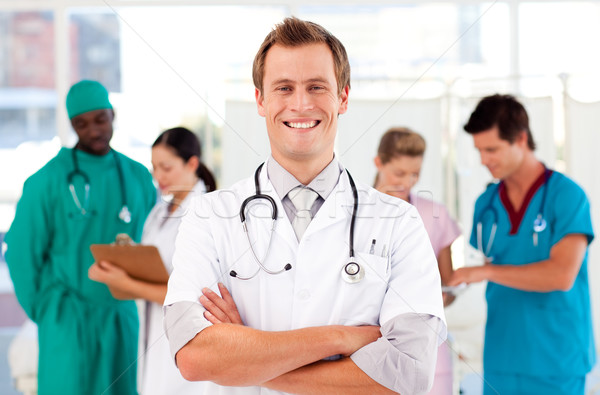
(87,339)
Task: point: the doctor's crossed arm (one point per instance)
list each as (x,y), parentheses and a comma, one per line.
(296,281)
(313,378)
(319,377)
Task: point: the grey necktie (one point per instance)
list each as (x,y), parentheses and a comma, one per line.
(302,199)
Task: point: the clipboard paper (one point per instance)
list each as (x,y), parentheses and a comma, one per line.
(142,262)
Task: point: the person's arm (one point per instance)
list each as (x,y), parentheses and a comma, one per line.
(328,377)
(215,353)
(28,242)
(122,286)
(444,259)
(557,273)
(324,377)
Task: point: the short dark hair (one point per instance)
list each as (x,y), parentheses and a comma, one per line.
(293,32)
(503,111)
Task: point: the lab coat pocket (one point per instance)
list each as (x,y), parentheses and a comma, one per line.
(363,300)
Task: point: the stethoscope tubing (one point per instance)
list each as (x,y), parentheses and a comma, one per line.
(124,213)
(539,224)
(272,203)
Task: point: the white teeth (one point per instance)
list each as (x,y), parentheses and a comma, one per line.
(302,125)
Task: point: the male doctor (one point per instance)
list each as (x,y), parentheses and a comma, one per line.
(328,301)
(534,226)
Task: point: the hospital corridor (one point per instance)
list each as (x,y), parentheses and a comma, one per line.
(397,186)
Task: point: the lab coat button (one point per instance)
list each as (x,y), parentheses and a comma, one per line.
(303,294)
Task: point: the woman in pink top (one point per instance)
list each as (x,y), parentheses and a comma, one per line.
(399,159)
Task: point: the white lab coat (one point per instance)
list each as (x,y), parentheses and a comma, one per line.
(401,273)
(157,373)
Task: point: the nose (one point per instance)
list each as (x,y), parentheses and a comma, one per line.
(158,175)
(301,100)
(485,159)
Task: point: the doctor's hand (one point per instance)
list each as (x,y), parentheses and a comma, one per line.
(468,275)
(113,276)
(220,309)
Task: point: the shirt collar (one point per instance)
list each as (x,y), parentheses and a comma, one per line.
(283,181)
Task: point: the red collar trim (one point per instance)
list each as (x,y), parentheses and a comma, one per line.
(516,217)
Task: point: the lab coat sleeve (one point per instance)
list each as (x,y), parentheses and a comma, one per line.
(402,358)
(28,241)
(182,322)
(195,266)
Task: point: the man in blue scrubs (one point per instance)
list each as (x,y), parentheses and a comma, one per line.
(534,228)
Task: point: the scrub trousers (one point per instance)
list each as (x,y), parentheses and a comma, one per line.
(520,384)
(86,348)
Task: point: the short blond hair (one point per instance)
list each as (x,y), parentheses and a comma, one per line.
(293,32)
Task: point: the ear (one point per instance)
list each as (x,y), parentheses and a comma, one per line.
(259,102)
(344,100)
(377,161)
(193,163)
(522,138)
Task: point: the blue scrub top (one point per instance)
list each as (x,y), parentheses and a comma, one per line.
(537,333)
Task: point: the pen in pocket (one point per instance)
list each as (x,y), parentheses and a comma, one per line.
(372,250)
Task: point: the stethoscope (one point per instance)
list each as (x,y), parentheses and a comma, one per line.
(539,223)
(124,213)
(352,272)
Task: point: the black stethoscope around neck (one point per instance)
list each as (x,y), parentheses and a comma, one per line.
(352,272)
(124,213)
(539,223)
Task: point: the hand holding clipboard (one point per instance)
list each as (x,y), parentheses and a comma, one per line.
(127,261)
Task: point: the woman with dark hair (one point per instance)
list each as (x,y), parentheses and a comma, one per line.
(180,174)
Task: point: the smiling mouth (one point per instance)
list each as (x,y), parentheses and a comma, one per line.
(302,125)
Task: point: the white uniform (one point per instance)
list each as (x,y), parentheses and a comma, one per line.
(211,243)
(157,374)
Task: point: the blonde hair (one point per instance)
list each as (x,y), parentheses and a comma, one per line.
(400,141)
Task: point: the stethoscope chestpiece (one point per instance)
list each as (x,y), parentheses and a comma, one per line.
(352,272)
(125,215)
(539,224)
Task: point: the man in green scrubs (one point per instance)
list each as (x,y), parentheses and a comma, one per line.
(85,195)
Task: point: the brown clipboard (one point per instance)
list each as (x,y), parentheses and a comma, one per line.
(142,262)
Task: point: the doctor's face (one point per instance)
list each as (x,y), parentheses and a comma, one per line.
(300,102)
(399,175)
(94,130)
(501,157)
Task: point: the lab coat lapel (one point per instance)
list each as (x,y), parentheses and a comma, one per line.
(337,207)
